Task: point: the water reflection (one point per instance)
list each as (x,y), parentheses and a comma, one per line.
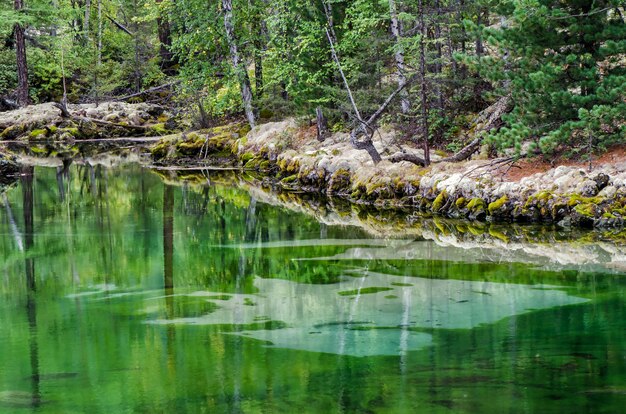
(168,298)
(26,179)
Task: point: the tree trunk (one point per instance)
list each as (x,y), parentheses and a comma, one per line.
(86,20)
(486,120)
(396,29)
(22,67)
(238,66)
(258,73)
(165,40)
(422,75)
(322,125)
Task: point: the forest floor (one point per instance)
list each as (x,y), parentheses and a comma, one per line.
(615,155)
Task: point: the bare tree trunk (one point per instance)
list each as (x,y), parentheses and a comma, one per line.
(258,73)
(364,128)
(98,55)
(396,29)
(479,42)
(238,65)
(165,40)
(260,45)
(86,20)
(438,66)
(422,75)
(20,52)
(322,125)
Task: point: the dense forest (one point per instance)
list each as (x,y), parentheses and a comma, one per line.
(556,70)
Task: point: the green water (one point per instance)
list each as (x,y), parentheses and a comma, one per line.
(120,294)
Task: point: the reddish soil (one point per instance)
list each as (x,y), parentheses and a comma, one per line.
(528,167)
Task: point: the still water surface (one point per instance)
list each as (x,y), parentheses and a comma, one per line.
(122,294)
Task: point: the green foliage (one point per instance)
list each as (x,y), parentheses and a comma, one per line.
(565,72)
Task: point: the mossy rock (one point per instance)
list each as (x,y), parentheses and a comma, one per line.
(440,201)
(37,134)
(290,180)
(460,203)
(245,157)
(9,168)
(163,149)
(339,182)
(476,204)
(13,132)
(157,130)
(576,199)
(499,207)
(253,164)
(378,190)
(476,209)
(589,210)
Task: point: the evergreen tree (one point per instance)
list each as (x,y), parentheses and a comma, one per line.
(564,67)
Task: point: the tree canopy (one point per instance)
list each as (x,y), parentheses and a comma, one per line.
(562,63)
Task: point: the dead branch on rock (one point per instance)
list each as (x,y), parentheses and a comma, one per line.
(62,106)
(111,124)
(146,91)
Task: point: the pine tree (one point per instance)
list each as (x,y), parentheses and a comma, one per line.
(564,64)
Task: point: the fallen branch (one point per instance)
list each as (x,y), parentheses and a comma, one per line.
(146,91)
(485,122)
(62,106)
(120,26)
(107,123)
(403,156)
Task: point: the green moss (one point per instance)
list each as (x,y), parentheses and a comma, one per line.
(543,195)
(586,209)
(158,129)
(37,134)
(440,201)
(290,179)
(265,114)
(576,199)
(73,131)
(12,132)
(460,202)
(497,205)
(339,181)
(35,149)
(247,156)
(476,204)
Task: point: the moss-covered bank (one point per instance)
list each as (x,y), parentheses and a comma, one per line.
(289,158)
(44,122)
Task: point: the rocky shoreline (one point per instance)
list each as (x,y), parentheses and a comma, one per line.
(45,122)
(289,158)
